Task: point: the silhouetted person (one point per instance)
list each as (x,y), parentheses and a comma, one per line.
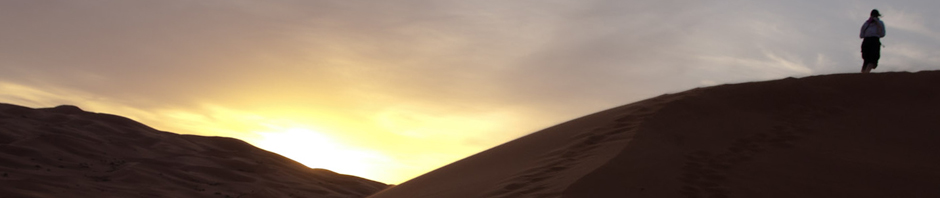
(872,32)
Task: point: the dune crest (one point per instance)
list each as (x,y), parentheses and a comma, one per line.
(844,135)
(67,152)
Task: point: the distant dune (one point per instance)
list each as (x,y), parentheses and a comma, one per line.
(844,135)
(67,152)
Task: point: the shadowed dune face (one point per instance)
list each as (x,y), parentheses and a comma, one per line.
(66,152)
(842,135)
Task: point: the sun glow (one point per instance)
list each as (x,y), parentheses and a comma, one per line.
(317,150)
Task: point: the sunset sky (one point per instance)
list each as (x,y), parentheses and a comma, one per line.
(388,90)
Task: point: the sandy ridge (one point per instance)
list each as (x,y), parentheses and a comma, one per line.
(588,150)
(67,152)
(842,135)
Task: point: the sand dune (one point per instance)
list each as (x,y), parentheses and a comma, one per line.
(846,135)
(67,152)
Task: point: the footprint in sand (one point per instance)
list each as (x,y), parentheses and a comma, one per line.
(704,174)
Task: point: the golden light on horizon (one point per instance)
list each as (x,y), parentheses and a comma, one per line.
(386,144)
(318,150)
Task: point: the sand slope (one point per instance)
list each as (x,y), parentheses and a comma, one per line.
(67,152)
(845,135)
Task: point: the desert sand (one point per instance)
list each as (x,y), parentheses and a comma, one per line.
(67,152)
(843,135)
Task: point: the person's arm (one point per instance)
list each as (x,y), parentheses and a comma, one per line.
(861,33)
(881,33)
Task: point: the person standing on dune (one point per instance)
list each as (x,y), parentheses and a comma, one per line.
(872,32)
